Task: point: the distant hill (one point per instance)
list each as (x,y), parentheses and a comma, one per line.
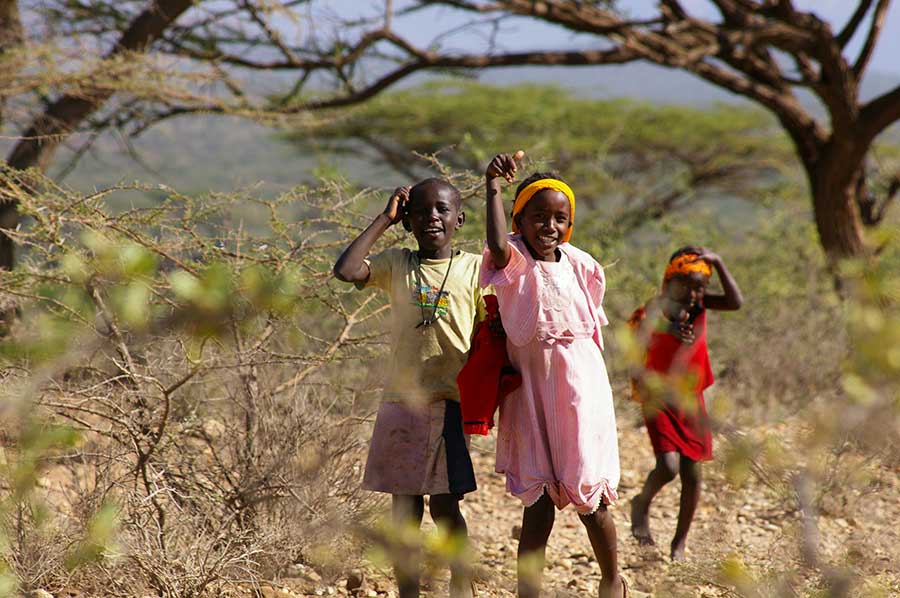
(651,82)
(196,155)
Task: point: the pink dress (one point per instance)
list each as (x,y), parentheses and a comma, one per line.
(557,432)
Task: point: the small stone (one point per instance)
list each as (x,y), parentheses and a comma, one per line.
(579,556)
(311,575)
(41,594)
(213,428)
(297,570)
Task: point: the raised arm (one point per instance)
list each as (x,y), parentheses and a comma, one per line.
(731,299)
(351,265)
(502,165)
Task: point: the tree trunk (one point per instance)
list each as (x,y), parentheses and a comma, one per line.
(11,39)
(9,219)
(835,184)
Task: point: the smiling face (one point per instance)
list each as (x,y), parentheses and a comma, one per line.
(543,223)
(433,215)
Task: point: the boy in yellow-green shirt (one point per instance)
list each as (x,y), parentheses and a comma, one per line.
(418,446)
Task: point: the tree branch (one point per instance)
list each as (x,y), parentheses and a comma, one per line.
(430,60)
(271,33)
(46,132)
(852,25)
(875,29)
(879,114)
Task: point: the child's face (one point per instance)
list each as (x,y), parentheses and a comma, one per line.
(434,215)
(543,223)
(687,289)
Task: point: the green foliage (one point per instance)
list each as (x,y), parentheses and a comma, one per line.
(630,155)
(99,536)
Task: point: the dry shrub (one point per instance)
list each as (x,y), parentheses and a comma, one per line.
(205,370)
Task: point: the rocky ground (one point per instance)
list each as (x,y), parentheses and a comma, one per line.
(749,533)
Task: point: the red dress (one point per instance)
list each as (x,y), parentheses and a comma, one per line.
(680,425)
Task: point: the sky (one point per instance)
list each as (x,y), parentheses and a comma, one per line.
(527,34)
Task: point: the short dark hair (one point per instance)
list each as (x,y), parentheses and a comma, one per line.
(536,177)
(422,185)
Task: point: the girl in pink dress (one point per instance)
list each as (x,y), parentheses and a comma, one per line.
(557,441)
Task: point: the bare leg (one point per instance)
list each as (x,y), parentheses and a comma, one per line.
(537,523)
(690,498)
(665,471)
(407,511)
(445,511)
(601,531)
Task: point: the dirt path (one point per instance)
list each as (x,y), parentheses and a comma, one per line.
(752,522)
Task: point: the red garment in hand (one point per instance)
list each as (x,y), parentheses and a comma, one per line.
(487,376)
(682,428)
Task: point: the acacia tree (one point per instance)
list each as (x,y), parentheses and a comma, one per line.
(765,50)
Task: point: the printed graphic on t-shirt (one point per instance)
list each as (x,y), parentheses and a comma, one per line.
(432,298)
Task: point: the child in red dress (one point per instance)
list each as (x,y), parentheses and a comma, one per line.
(670,388)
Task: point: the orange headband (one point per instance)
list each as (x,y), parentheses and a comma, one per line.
(528,192)
(685,264)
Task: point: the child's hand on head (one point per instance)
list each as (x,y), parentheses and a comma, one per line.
(504,165)
(396,204)
(707,256)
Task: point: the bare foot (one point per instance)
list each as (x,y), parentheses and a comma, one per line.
(678,553)
(461,589)
(616,589)
(640,524)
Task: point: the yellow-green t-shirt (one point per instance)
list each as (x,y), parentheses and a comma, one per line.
(425,360)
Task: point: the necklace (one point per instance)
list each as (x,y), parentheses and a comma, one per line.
(428,321)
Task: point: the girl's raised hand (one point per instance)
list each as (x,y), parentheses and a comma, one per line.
(707,256)
(504,165)
(396,204)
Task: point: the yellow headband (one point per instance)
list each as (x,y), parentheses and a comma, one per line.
(529,191)
(686,264)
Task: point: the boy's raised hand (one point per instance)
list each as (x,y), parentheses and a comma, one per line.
(504,165)
(396,204)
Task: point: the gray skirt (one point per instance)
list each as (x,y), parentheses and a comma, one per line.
(418,450)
